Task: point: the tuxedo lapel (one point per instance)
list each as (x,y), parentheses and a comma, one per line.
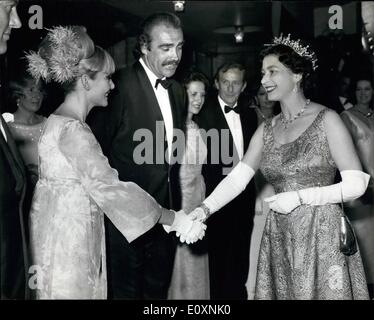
(174,110)
(14,159)
(13,148)
(175,97)
(147,92)
(150,100)
(248,126)
(174,113)
(248,120)
(221,123)
(178,105)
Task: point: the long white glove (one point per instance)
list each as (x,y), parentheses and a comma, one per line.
(352,186)
(228,189)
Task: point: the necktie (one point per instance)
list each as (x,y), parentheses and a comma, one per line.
(165,83)
(228,109)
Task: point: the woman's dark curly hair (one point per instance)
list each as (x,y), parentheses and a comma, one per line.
(293,61)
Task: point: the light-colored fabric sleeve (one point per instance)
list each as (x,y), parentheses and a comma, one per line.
(130,208)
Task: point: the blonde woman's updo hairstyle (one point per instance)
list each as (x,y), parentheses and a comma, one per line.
(65,54)
(99,61)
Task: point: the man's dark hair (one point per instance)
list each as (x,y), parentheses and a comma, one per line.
(230,65)
(161,18)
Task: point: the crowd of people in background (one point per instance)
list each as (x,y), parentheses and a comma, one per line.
(94,223)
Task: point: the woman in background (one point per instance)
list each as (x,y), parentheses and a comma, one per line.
(25,124)
(360,122)
(265,108)
(26,127)
(190,278)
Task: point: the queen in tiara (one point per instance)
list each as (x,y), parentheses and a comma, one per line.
(76,185)
(299,152)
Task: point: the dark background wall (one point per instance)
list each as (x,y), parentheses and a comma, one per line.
(208,29)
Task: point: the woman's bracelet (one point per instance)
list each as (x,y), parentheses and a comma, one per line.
(206,210)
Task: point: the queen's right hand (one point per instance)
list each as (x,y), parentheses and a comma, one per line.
(198,214)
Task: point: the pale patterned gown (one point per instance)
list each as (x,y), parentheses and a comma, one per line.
(76,186)
(299,253)
(190,278)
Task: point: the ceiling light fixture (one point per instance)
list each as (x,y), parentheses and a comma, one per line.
(239,35)
(179,6)
(239,31)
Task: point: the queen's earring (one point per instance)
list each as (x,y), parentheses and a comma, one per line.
(296,88)
(297,84)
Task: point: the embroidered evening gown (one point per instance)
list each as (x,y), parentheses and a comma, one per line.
(299,253)
(190,278)
(76,187)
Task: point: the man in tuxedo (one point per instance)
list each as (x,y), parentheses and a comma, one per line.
(13,251)
(229,230)
(146,102)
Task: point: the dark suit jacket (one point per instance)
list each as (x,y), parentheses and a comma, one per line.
(13,249)
(212,117)
(134,106)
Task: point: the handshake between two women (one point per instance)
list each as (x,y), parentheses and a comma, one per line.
(188,227)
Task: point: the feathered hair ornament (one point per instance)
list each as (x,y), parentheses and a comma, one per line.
(61,64)
(37,66)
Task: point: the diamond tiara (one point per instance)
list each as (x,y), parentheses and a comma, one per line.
(298,48)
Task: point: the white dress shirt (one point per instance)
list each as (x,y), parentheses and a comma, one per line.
(163,100)
(235,125)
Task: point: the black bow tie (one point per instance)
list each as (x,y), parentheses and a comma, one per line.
(228,109)
(165,83)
